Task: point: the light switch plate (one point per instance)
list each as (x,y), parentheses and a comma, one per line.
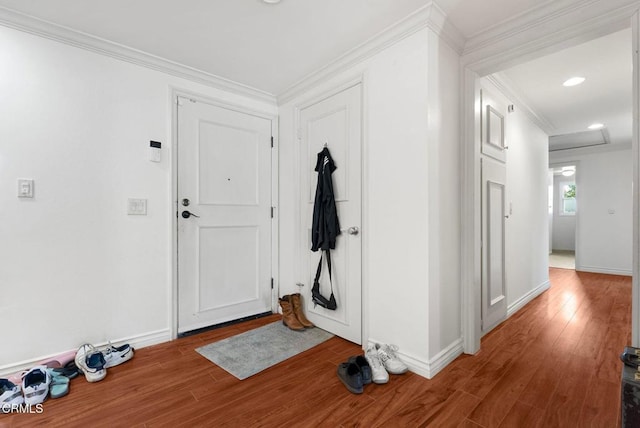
(155,155)
(137,207)
(25,188)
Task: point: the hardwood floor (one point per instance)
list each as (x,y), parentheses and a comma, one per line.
(553,364)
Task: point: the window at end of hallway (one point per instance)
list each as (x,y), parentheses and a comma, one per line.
(568,202)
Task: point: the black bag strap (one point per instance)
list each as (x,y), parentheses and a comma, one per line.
(317,278)
(317,297)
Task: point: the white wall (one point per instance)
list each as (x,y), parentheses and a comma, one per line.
(603,184)
(526,229)
(444,198)
(74,267)
(564,226)
(411,213)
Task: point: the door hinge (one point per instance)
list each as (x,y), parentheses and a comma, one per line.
(272,283)
(272,141)
(299,133)
(272,209)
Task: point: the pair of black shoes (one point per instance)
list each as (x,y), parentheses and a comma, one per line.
(355,373)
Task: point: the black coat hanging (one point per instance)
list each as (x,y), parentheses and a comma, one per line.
(325,227)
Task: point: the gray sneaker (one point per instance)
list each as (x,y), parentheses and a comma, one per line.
(349,374)
(390,360)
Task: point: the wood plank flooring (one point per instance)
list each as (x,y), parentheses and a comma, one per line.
(553,364)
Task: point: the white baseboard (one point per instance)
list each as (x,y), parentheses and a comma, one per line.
(518,304)
(446,356)
(137,341)
(429,369)
(594,269)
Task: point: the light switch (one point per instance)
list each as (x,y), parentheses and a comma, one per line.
(25,188)
(137,207)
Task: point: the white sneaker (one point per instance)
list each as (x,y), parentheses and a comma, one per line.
(378,373)
(91,363)
(114,356)
(10,395)
(35,385)
(390,360)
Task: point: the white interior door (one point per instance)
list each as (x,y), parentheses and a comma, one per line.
(224,248)
(336,121)
(494,300)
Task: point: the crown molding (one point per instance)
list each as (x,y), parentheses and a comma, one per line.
(429,16)
(545,29)
(29,24)
(506,86)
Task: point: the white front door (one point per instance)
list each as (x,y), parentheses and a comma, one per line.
(494,299)
(337,122)
(224,247)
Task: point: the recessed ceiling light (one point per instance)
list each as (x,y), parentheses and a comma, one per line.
(596,126)
(271,1)
(573,81)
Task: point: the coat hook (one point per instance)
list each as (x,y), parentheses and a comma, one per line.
(326,143)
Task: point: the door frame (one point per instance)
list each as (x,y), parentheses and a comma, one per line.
(275,256)
(320,93)
(497,53)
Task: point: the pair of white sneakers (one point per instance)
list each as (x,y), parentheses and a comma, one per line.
(94,363)
(35,389)
(383,360)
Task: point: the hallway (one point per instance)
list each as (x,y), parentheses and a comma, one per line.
(556,362)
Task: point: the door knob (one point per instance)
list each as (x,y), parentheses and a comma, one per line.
(353,230)
(187,214)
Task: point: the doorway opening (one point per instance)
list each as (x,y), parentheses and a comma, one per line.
(477,68)
(563,215)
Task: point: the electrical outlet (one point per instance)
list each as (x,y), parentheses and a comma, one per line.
(25,188)
(137,207)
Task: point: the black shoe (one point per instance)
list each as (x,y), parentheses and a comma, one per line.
(363,365)
(350,375)
(70,370)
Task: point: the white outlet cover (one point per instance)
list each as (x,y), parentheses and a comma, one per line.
(25,188)
(137,207)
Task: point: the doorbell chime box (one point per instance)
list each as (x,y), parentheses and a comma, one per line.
(155,155)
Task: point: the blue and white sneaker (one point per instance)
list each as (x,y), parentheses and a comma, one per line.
(10,395)
(117,355)
(35,385)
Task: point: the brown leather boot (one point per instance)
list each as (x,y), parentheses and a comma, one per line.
(296,302)
(288,317)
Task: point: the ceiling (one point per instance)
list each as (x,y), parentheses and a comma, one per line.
(272,47)
(604,97)
(267,47)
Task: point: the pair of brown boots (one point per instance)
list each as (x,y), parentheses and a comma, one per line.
(292,314)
